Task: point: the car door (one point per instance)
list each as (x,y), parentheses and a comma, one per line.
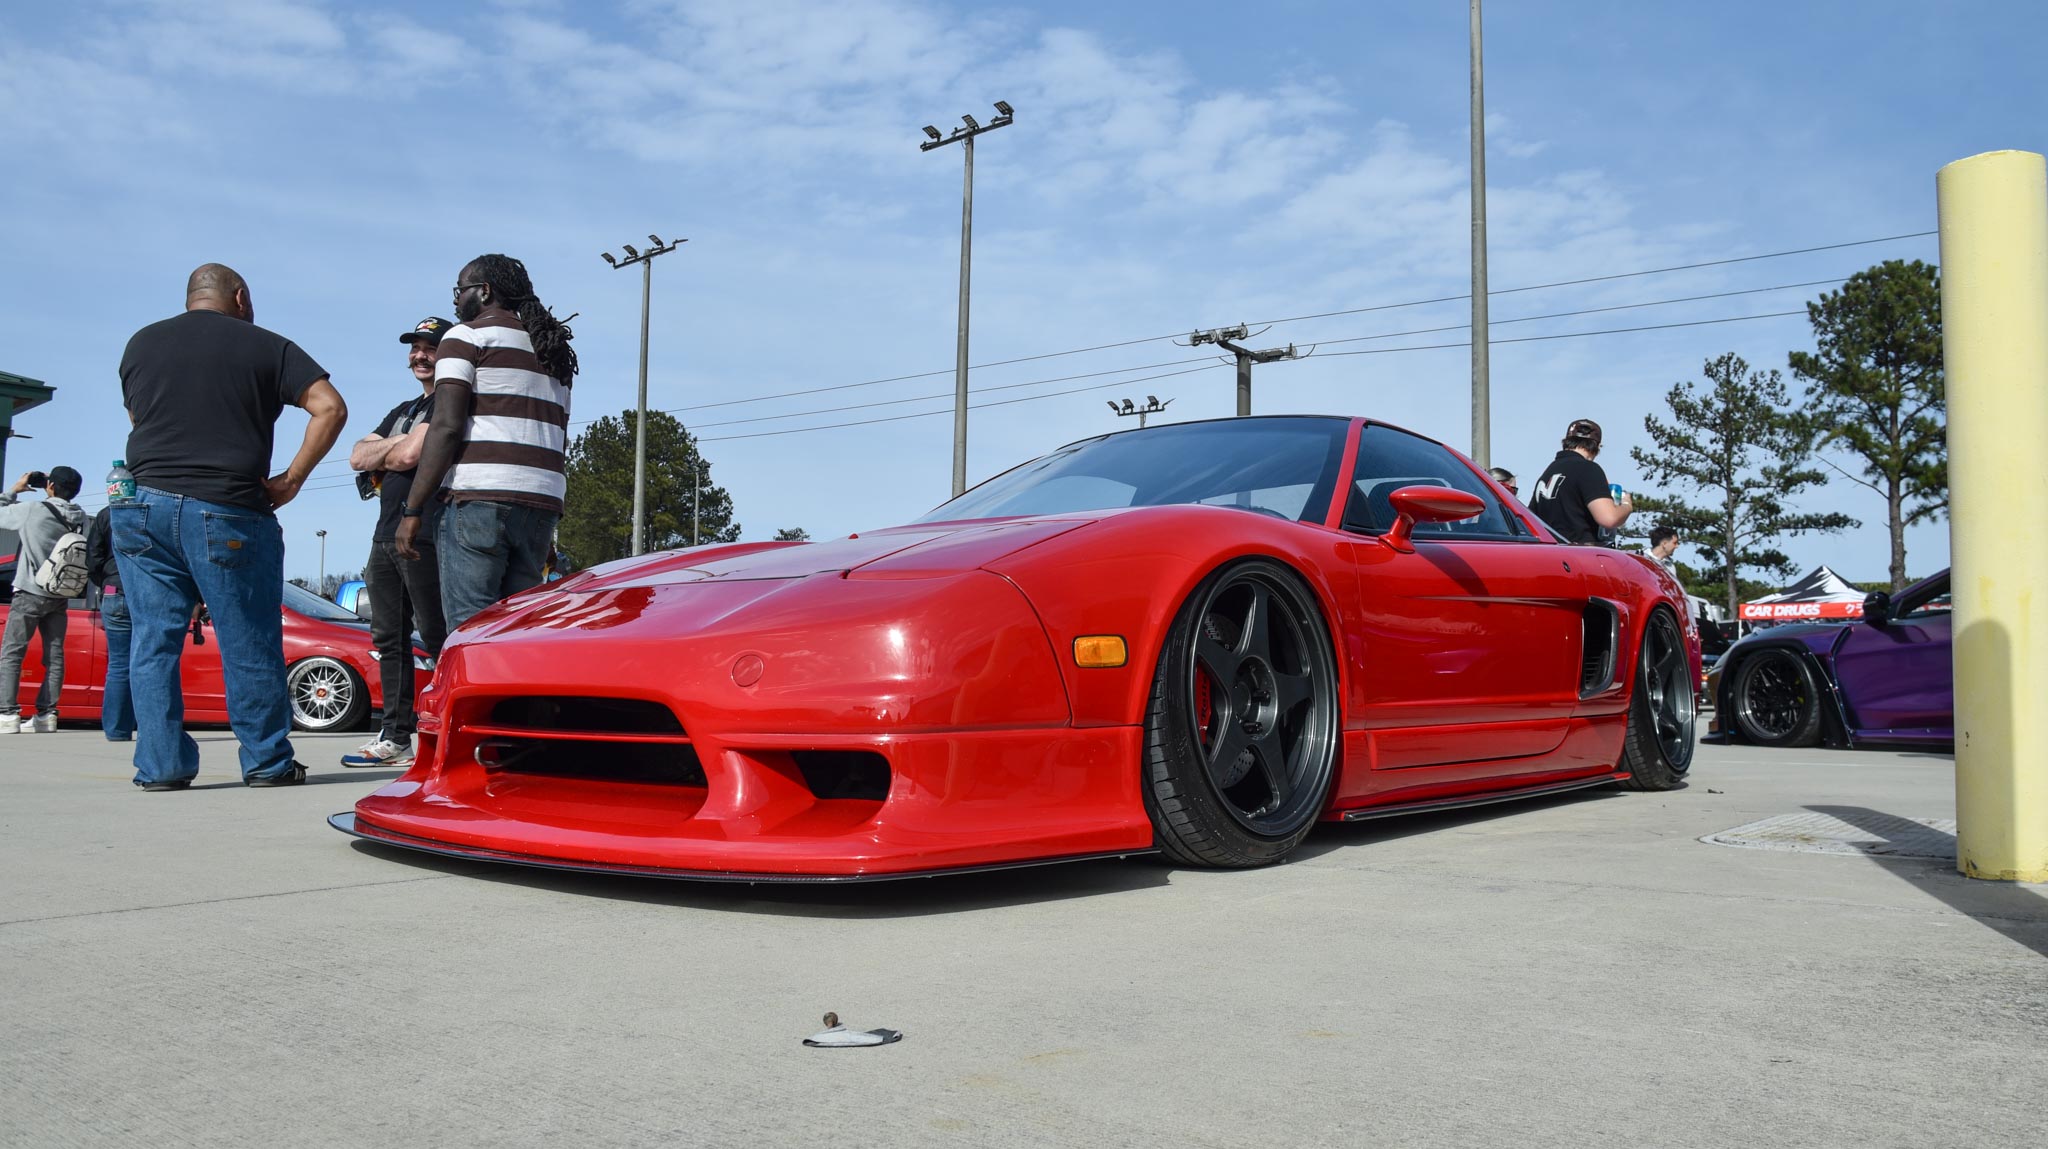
(80,697)
(1899,677)
(1467,647)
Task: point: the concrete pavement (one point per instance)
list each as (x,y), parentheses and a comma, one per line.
(218,967)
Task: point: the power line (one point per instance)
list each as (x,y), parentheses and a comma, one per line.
(1302,318)
(336,485)
(1191,370)
(1571,334)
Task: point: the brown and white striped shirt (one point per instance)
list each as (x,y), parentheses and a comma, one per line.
(518,415)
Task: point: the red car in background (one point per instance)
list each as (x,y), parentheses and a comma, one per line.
(330,664)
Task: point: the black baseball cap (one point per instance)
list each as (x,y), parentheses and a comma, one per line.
(431,329)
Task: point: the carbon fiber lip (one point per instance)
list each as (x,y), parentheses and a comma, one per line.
(346,822)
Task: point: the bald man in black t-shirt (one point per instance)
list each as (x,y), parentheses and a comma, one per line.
(204,389)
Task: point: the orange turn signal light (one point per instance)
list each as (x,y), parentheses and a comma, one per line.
(1100,650)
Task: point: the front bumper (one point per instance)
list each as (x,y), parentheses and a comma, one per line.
(956,801)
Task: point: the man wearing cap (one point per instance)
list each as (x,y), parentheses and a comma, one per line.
(1573,498)
(404,593)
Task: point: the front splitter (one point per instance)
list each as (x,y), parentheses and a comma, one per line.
(348,823)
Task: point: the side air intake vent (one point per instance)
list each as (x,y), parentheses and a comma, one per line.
(1602,632)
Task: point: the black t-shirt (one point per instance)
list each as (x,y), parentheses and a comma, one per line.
(1561,495)
(396,485)
(205,390)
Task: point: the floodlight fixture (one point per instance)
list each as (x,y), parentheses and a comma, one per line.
(654,239)
(931,131)
(1003,106)
(607,257)
(630,251)
(972,124)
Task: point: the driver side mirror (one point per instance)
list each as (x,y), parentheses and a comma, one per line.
(1420,504)
(1877,607)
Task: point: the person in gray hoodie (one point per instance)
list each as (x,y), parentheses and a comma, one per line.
(33,610)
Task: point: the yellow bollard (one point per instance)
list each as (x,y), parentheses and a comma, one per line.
(1994,309)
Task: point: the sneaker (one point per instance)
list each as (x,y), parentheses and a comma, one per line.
(158,787)
(295,776)
(44,724)
(379,752)
(10,723)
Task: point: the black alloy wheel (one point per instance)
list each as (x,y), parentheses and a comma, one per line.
(1774,701)
(1658,748)
(1241,733)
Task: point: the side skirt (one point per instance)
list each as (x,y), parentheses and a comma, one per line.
(1464,800)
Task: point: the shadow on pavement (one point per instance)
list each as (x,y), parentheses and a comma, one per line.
(894,898)
(311,779)
(2017,911)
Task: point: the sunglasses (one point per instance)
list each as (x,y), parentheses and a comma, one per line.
(462,287)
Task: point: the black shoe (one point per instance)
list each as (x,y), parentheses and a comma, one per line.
(296,776)
(158,787)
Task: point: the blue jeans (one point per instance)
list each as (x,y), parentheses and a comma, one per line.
(117,708)
(489,550)
(174,552)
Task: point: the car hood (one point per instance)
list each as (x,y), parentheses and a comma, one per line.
(1814,635)
(924,551)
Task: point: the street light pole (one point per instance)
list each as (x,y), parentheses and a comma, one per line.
(1153,406)
(1482,436)
(322,535)
(646,261)
(965,137)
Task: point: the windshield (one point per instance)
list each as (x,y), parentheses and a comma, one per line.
(1284,465)
(305,602)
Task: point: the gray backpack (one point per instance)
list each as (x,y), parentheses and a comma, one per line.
(63,574)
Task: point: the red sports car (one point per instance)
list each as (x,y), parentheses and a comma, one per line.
(1199,638)
(330,664)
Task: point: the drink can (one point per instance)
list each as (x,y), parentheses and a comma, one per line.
(1614,489)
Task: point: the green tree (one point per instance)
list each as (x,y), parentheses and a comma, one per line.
(792,535)
(1736,447)
(1879,393)
(597,516)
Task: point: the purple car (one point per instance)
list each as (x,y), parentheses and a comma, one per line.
(1885,679)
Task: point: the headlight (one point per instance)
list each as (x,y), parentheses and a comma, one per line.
(419,661)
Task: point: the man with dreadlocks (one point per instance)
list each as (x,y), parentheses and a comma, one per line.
(496,440)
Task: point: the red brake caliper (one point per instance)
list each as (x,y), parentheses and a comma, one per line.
(1205,708)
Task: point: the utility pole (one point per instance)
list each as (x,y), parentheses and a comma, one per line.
(965,137)
(1225,337)
(646,261)
(322,536)
(1482,435)
(1152,407)
(697,490)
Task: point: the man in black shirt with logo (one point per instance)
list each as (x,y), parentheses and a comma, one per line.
(404,592)
(1573,497)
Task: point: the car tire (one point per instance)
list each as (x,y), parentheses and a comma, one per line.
(1241,732)
(1662,712)
(325,694)
(1773,700)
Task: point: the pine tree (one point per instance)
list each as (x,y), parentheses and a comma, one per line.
(1737,447)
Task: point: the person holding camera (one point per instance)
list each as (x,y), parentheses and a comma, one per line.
(404,592)
(49,571)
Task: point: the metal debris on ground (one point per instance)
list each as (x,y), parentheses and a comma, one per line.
(1864,833)
(837,1036)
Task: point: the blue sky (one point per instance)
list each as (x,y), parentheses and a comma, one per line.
(1173,166)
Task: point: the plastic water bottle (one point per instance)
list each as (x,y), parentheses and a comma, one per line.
(120,483)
